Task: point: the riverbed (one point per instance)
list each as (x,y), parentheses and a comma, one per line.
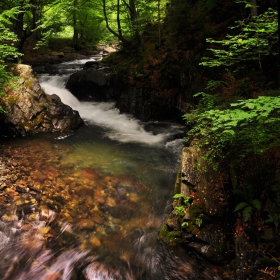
(89,204)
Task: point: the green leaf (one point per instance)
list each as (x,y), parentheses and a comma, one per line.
(248,5)
(247,213)
(177,195)
(240,206)
(256,203)
(231,132)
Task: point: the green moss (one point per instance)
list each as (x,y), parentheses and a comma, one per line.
(171,237)
(196,211)
(45,105)
(29,83)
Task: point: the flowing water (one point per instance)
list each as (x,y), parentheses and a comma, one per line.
(90,204)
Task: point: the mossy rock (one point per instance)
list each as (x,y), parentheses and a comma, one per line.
(171,237)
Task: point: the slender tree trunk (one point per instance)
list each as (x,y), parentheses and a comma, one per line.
(254,10)
(75,40)
(134,19)
(278,11)
(119,34)
(159,31)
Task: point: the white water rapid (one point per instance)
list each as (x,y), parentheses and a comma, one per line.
(121,127)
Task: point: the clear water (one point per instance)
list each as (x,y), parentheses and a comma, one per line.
(100,196)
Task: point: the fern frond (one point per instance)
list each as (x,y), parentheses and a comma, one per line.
(247,213)
(240,206)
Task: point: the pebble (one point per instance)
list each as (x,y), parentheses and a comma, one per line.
(89,173)
(97,217)
(53,276)
(111,202)
(95,241)
(86,224)
(9,218)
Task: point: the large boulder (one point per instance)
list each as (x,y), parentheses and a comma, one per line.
(146,104)
(46,69)
(90,84)
(94,83)
(30,110)
(199,210)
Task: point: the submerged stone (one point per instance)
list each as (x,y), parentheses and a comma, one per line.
(86,224)
(89,173)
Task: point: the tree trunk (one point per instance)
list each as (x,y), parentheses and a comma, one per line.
(254,10)
(159,31)
(119,34)
(278,11)
(75,40)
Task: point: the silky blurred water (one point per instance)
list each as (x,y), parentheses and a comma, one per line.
(136,163)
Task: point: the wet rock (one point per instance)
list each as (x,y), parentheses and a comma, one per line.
(9,218)
(88,84)
(89,173)
(31,111)
(121,191)
(39,175)
(95,241)
(32,217)
(28,209)
(101,200)
(97,217)
(139,102)
(121,212)
(54,275)
(86,224)
(173,224)
(51,171)
(126,180)
(3,186)
(91,64)
(86,192)
(133,197)
(47,214)
(111,202)
(46,69)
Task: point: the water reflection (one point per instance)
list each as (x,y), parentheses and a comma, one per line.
(74,209)
(89,205)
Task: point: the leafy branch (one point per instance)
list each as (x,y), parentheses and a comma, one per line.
(252,40)
(249,126)
(247,208)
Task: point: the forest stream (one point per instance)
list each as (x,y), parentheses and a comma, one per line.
(90,204)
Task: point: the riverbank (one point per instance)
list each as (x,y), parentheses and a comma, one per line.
(204,221)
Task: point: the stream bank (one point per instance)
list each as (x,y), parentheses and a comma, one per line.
(203,220)
(29,110)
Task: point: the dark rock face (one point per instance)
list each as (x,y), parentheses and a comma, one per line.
(144,104)
(46,69)
(96,84)
(200,227)
(90,84)
(30,110)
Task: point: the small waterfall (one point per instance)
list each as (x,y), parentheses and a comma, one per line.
(122,127)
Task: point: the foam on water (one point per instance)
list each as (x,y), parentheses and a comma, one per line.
(122,127)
